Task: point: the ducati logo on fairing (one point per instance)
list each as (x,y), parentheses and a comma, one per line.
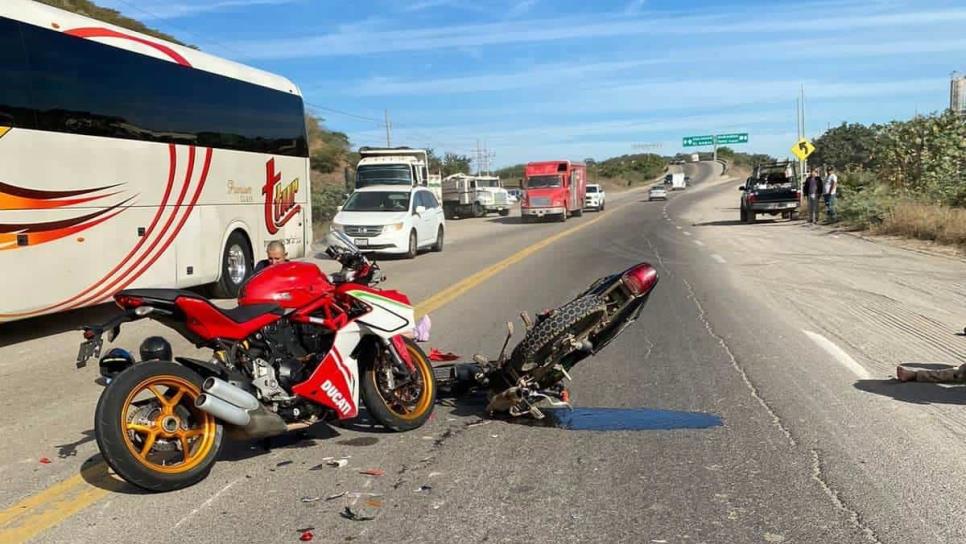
(280,205)
(336,397)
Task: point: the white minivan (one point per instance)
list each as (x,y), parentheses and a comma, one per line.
(392,219)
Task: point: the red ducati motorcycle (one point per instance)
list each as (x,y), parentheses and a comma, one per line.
(297,349)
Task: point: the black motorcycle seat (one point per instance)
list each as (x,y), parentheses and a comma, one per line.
(238,314)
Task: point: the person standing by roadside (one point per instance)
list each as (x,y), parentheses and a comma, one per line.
(831,187)
(813,186)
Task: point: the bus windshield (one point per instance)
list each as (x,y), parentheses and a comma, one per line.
(536,182)
(384,174)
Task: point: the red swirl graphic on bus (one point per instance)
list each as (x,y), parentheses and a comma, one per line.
(280,205)
(16,235)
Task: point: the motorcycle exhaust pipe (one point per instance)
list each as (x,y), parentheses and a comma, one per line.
(230,394)
(239,408)
(223,410)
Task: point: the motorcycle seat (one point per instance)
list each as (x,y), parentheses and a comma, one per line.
(238,314)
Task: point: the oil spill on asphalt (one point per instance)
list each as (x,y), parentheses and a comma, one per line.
(360,441)
(622,419)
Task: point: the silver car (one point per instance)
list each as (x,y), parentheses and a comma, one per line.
(657,193)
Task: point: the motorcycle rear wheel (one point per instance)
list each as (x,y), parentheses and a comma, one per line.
(544,344)
(149,431)
(400,409)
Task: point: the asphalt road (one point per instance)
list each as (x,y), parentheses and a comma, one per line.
(811,449)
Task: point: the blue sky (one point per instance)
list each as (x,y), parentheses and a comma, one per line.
(547,79)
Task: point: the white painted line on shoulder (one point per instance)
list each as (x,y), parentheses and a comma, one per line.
(699,242)
(677,227)
(839,354)
(718,258)
(686,233)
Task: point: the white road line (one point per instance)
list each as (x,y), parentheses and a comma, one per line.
(719,258)
(699,242)
(839,354)
(205,504)
(677,227)
(686,233)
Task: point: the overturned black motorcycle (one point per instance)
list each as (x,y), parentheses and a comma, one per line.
(533,374)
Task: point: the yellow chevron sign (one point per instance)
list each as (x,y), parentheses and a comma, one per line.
(4,130)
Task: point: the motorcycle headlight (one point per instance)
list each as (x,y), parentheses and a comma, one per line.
(337,227)
(395,227)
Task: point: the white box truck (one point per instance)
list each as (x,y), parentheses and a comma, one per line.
(677,181)
(395,166)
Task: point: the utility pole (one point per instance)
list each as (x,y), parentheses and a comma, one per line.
(388,130)
(479,158)
(804,132)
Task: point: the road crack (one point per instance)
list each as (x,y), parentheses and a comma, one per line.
(702,316)
(818,474)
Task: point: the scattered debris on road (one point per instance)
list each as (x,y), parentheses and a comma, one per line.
(338,463)
(311,499)
(423,489)
(336,496)
(439,356)
(45,461)
(372,472)
(306,536)
(283,463)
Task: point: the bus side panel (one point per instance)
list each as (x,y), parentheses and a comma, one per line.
(106,233)
(239,187)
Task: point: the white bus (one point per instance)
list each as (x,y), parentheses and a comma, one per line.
(127,161)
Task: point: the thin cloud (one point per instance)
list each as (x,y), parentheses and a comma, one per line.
(570,28)
(521,8)
(531,77)
(159,10)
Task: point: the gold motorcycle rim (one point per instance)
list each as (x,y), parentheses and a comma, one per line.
(161,427)
(413,409)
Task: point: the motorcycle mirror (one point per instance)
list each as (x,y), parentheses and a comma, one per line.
(113,333)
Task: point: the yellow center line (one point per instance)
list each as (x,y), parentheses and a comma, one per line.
(57,503)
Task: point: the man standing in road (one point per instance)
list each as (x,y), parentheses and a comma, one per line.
(813,185)
(831,186)
(275,253)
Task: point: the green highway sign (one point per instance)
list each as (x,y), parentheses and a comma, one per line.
(693,141)
(720,139)
(737,138)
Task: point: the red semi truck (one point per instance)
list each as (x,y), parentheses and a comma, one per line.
(555,188)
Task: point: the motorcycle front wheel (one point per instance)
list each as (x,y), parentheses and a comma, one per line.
(149,431)
(399,403)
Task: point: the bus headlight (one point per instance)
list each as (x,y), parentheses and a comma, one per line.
(395,227)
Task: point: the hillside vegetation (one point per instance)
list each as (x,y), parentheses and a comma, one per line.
(904,177)
(112,16)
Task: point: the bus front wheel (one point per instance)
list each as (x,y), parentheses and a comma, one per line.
(236,266)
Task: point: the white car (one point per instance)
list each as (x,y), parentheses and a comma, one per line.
(657,192)
(392,219)
(595,197)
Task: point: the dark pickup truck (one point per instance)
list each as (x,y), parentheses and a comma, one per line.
(772,190)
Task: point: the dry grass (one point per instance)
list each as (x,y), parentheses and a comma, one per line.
(926,222)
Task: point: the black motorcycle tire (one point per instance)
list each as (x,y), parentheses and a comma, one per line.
(111,438)
(578,317)
(380,409)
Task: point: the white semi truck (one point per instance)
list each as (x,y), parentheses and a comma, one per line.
(395,166)
(474,196)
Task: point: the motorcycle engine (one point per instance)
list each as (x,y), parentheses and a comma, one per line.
(285,355)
